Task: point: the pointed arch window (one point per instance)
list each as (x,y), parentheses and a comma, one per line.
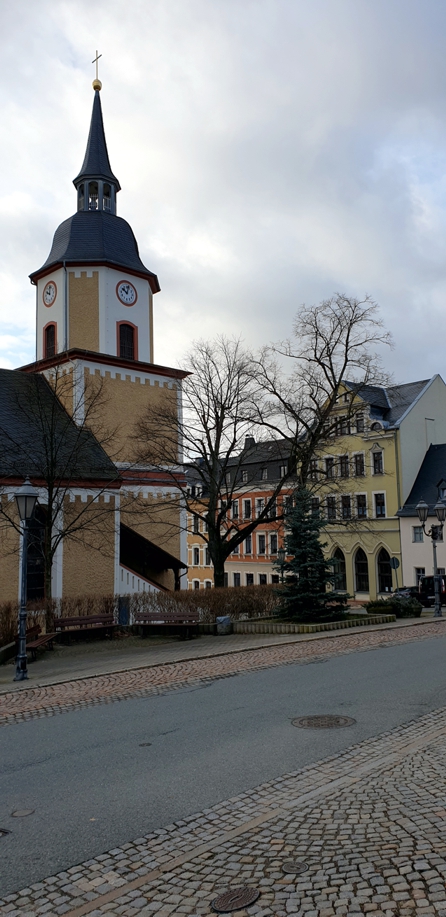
(384,571)
(49,340)
(340,576)
(361,571)
(127,335)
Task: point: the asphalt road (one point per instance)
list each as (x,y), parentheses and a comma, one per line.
(94,785)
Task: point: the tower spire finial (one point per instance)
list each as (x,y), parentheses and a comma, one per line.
(97,85)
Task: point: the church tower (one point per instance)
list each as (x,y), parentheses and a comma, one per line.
(93,292)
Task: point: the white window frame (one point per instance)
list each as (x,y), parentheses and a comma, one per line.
(420,531)
(377,474)
(196,548)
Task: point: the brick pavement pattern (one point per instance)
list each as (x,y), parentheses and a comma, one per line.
(71,695)
(370,823)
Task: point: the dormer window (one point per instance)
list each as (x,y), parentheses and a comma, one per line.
(80,197)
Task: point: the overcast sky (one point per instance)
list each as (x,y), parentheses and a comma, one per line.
(270,152)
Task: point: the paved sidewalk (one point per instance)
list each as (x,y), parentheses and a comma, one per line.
(370,825)
(49,700)
(107,657)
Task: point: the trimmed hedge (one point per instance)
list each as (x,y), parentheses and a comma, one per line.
(401,607)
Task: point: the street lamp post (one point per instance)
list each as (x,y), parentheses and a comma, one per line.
(281,560)
(26,499)
(434,533)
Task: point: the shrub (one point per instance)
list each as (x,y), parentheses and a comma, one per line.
(401,607)
(242,602)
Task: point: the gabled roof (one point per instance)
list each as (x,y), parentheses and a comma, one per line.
(391,403)
(96,237)
(430,476)
(36,432)
(96,163)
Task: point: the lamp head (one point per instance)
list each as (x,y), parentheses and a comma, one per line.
(422,511)
(440,509)
(26,499)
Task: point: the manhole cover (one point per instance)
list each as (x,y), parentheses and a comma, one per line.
(326,721)
(235,899)
(144,744)
(295,866)
(20,813)
(4,831)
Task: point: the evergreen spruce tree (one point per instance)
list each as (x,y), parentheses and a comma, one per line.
(307,592)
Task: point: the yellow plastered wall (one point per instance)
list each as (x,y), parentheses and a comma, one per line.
(83,311)
(9,556)
(89,560)
(155,517)
(125,403)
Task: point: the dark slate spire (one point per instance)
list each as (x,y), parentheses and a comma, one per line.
(96,164)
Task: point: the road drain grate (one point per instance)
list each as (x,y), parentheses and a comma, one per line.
(325,721)
(235,899)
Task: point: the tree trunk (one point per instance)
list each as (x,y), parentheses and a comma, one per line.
(219,573)
(49,609)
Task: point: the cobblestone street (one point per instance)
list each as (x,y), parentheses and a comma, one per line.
(16,706)
(370,824)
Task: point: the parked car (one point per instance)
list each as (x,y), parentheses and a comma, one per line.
(426,593)
(407,592)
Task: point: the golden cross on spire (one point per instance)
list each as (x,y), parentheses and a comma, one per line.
(96,82)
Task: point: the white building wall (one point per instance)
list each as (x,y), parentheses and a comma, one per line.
(417,554)
(424,424)
(54,313)
(112,310)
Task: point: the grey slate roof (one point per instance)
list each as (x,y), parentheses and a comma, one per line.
(432,473)
(36,434)
(92,237)
(389,404)
(96,163)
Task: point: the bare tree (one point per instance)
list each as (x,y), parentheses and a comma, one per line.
(333,353)
(45,434)
(221,401)
(230,395)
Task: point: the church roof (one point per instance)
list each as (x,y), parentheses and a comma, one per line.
(38,436)
(96,163)
(96,238)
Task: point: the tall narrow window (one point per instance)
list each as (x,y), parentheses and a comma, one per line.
(106,201)
(313,469)
(329,467)
(196,557)
(315,506)
(360,423)
(246,509)
(80,197)
(346,507)
(384,572)
(340,576)
(261,543)
(380,505)
(50,340)
(93,195)
(361,506)
(126,341)
(361,571)
(344,466)
(331,508)
(273,543)
(377,462)
(359,465)
(248,544)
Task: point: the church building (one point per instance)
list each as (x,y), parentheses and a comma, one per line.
(94,302)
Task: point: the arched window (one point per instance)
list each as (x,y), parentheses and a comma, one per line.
(93,195)
(80,198)
(361,571)
(106,197)
(384,572)
(49,340)
(127,341)
(340,576)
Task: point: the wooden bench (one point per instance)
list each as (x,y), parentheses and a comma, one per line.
(184,621)
(84,623)
(35,640)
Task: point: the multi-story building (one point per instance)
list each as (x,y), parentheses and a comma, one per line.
(416,546)
(362,476)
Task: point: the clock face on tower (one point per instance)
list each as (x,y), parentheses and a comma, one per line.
(49,293)
(126,292)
